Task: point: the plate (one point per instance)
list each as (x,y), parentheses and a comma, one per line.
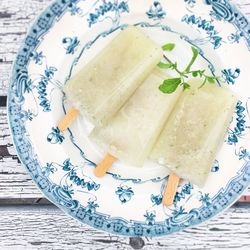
(127,201)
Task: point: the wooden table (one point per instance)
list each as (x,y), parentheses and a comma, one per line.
(29,221)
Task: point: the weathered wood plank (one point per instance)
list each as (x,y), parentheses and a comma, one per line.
(54,230)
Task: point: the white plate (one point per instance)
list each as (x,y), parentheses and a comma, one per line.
(126,201)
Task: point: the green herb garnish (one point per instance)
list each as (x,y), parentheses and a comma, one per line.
(168,47)
(170,85)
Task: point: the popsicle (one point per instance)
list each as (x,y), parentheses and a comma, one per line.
(194,132)
(132,132)
(101,88)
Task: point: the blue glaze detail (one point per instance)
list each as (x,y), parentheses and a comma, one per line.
(235,134)
(205,199)
(243,154)
(21,85)
(221,10)
(56,136)
(124,193)
(225,11)
(150,217)
(112,6)
(190,3)
(235,37)
(70,44)
(156,11)
(215,167)
(91,207)
(37,57)
(205,25)
(49,169)
(42,88)
(73,8)
(186,190)
(230,75)
(156,199)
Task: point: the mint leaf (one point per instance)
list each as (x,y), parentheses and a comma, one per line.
(186,86)
(164,65)
(211,79)
(195,54)
(201,72)
(170,85)
(195,73)
(168,47)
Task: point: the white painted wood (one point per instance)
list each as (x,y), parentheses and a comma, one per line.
(48,228)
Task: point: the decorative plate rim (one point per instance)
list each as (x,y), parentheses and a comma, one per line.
(119,226)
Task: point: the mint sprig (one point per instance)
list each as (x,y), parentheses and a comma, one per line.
(170,85)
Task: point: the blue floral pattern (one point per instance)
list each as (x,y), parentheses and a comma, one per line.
(221,10)
(156,11)
(42,88)
(22,85)
(49,169)
(73,8)
(150,218)
(243,154)
(230,75)
(91,207)
(55,136)
(205,25)
(235,37)
(186,190)
(236,133)
(124,193)
(70,44)
(205,199)
(190,3)
(37,57)
(106,7)
(156,199)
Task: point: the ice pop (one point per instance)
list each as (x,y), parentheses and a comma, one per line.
(194,132)
(132,132)
(101,88)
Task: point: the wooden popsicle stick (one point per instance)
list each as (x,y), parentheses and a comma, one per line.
(170,190)
(104,165)
(68,119)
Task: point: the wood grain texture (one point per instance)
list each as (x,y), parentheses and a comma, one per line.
(46,227)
